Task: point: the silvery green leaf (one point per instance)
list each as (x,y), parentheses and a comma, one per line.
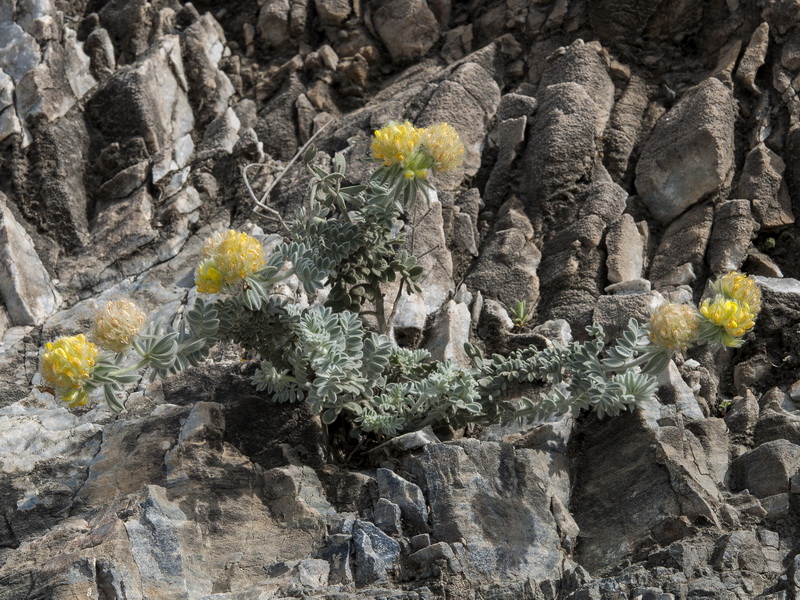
(659,360)
(167,345)
(310,154)
(111,400)
(339,163)
(329,416)
(193,346)
(251,299)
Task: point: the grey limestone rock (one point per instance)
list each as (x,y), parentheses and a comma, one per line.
(203,46)
(407,496)
(375,553)
(574,108)
(775,424)
(54,195)
(222,133)
(297,498)
(753,57)
(147,99)
(386,517)
(507,266)
(338,553)
(413,440)
(276,126)
(681,467)
(763,183)
(587,65)
(49,79)
(674,390)
(690,153)
(513,106)
(742,416)
(627,124)
(332,12)
(510,135)
(124,183)
(614,311)
(100,49)
(571,272)
(626,250)
(464,234)
(765,471)
(679,257)
(733,229)
(790,52)
(560,153)
(627,21)
(462,478)
(281,23)
(25,287)
(739,550)
(9,122)
(449,332)
(430,557)
(425,238)
(408,28)
(21,51)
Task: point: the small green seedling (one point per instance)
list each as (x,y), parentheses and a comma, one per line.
(520,314)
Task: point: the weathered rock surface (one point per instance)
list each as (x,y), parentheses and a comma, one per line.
(407,27)
(506,268)
(498,536)
(690,153)
(679,257)
(25,286)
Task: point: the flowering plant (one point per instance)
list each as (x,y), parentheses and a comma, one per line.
(348,239)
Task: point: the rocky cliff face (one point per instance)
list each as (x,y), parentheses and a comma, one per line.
(617,152)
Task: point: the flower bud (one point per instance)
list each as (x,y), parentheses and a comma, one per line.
(117,324)
(67,365)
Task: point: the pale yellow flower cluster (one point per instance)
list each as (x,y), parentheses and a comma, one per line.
(444,145)
(228,258)
(438,147)
(117,324)
(67,365)
(741,288)
(722,320)
(673,326)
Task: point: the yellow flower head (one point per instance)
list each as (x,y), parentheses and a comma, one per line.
(67,365)
(117,324)
(229,258)
(208,279)
(725,320)
(738,286)
(673,326)
(444,145)
(395,143)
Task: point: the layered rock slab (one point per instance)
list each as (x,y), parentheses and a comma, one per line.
(690,153)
